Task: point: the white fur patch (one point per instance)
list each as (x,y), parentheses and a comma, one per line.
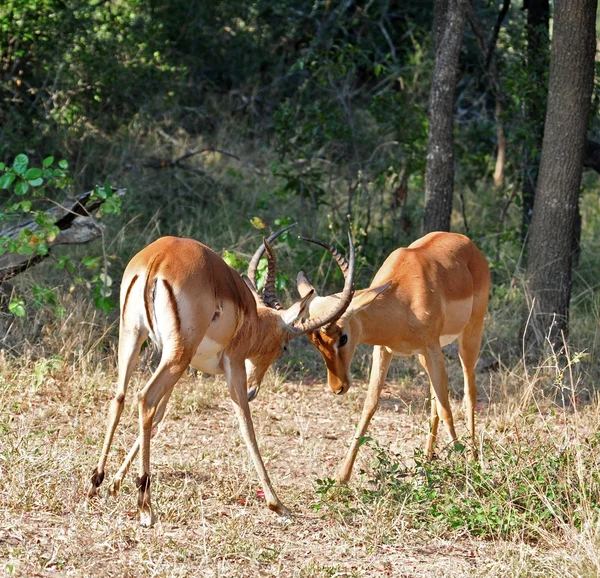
(208,357)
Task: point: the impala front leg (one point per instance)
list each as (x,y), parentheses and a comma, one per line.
(379,368)
(235,374)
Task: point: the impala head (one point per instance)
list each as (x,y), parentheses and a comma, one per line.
(287,324)
(336,340)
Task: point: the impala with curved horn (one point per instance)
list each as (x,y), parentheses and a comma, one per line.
(422,298)
(200,312)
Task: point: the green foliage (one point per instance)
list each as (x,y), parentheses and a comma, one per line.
(513,491)
(27,194)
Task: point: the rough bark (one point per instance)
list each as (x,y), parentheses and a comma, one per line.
(538,54)
(448,29)
(555,210)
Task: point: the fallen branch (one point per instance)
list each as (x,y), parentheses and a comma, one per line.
(74,219)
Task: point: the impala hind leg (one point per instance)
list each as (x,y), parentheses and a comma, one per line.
(433,363)
(235,373)
(130,342)
(159,388)
(469,343)
(379,369)
(115,485)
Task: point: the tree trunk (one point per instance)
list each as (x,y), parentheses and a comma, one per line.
(448,27)
(538,18)
(554,217)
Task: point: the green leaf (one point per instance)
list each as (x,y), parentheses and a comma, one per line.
(233,260)
(17,307)
(47,162)
(36,182)
(21,188)
(258,223)
(1,166)
(26,206)
(6,180)
(363,440)
(32,174)
(100,192)
(63,164)
(20,164)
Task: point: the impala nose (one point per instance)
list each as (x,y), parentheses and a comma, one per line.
(342,389)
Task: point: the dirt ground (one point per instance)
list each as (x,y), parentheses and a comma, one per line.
(212,520)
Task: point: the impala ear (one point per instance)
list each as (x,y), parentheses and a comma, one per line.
(255,293)
(304,285)
(297,310)
(366,297)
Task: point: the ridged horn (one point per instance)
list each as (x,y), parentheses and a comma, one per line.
(269,296)
(347,268)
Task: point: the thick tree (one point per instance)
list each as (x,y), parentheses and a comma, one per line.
(448,28)
(564,146)
(538,42)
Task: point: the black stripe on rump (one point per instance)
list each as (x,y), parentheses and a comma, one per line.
(173,304)
(135,278)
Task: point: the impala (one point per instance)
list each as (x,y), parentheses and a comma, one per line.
(200,312)
(422,298)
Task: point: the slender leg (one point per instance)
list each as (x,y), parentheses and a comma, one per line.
(130,342)
(379,368)
(469,343)
(434,419)
(160,386)
(433,362)
(235,374)
(118,479)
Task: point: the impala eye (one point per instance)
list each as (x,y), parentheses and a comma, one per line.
(343,340)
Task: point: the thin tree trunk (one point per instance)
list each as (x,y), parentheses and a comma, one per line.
(488,51)
(555,210)
(448,28)
(538,54)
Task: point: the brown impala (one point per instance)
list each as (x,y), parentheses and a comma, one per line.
(422,298)
(200,312)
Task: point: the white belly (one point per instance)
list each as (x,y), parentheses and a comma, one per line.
(447,339)
(208,357)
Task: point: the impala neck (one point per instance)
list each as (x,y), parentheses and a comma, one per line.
(377,323)
(267,335)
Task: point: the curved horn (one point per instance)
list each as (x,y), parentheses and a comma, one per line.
(334,252)
(253,266)
(269,291)
(309,325)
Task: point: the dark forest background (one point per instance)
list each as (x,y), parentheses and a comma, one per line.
(223,120)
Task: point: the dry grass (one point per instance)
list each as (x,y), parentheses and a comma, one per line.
(212,521)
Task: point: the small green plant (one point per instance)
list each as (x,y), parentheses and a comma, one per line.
(512,491)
